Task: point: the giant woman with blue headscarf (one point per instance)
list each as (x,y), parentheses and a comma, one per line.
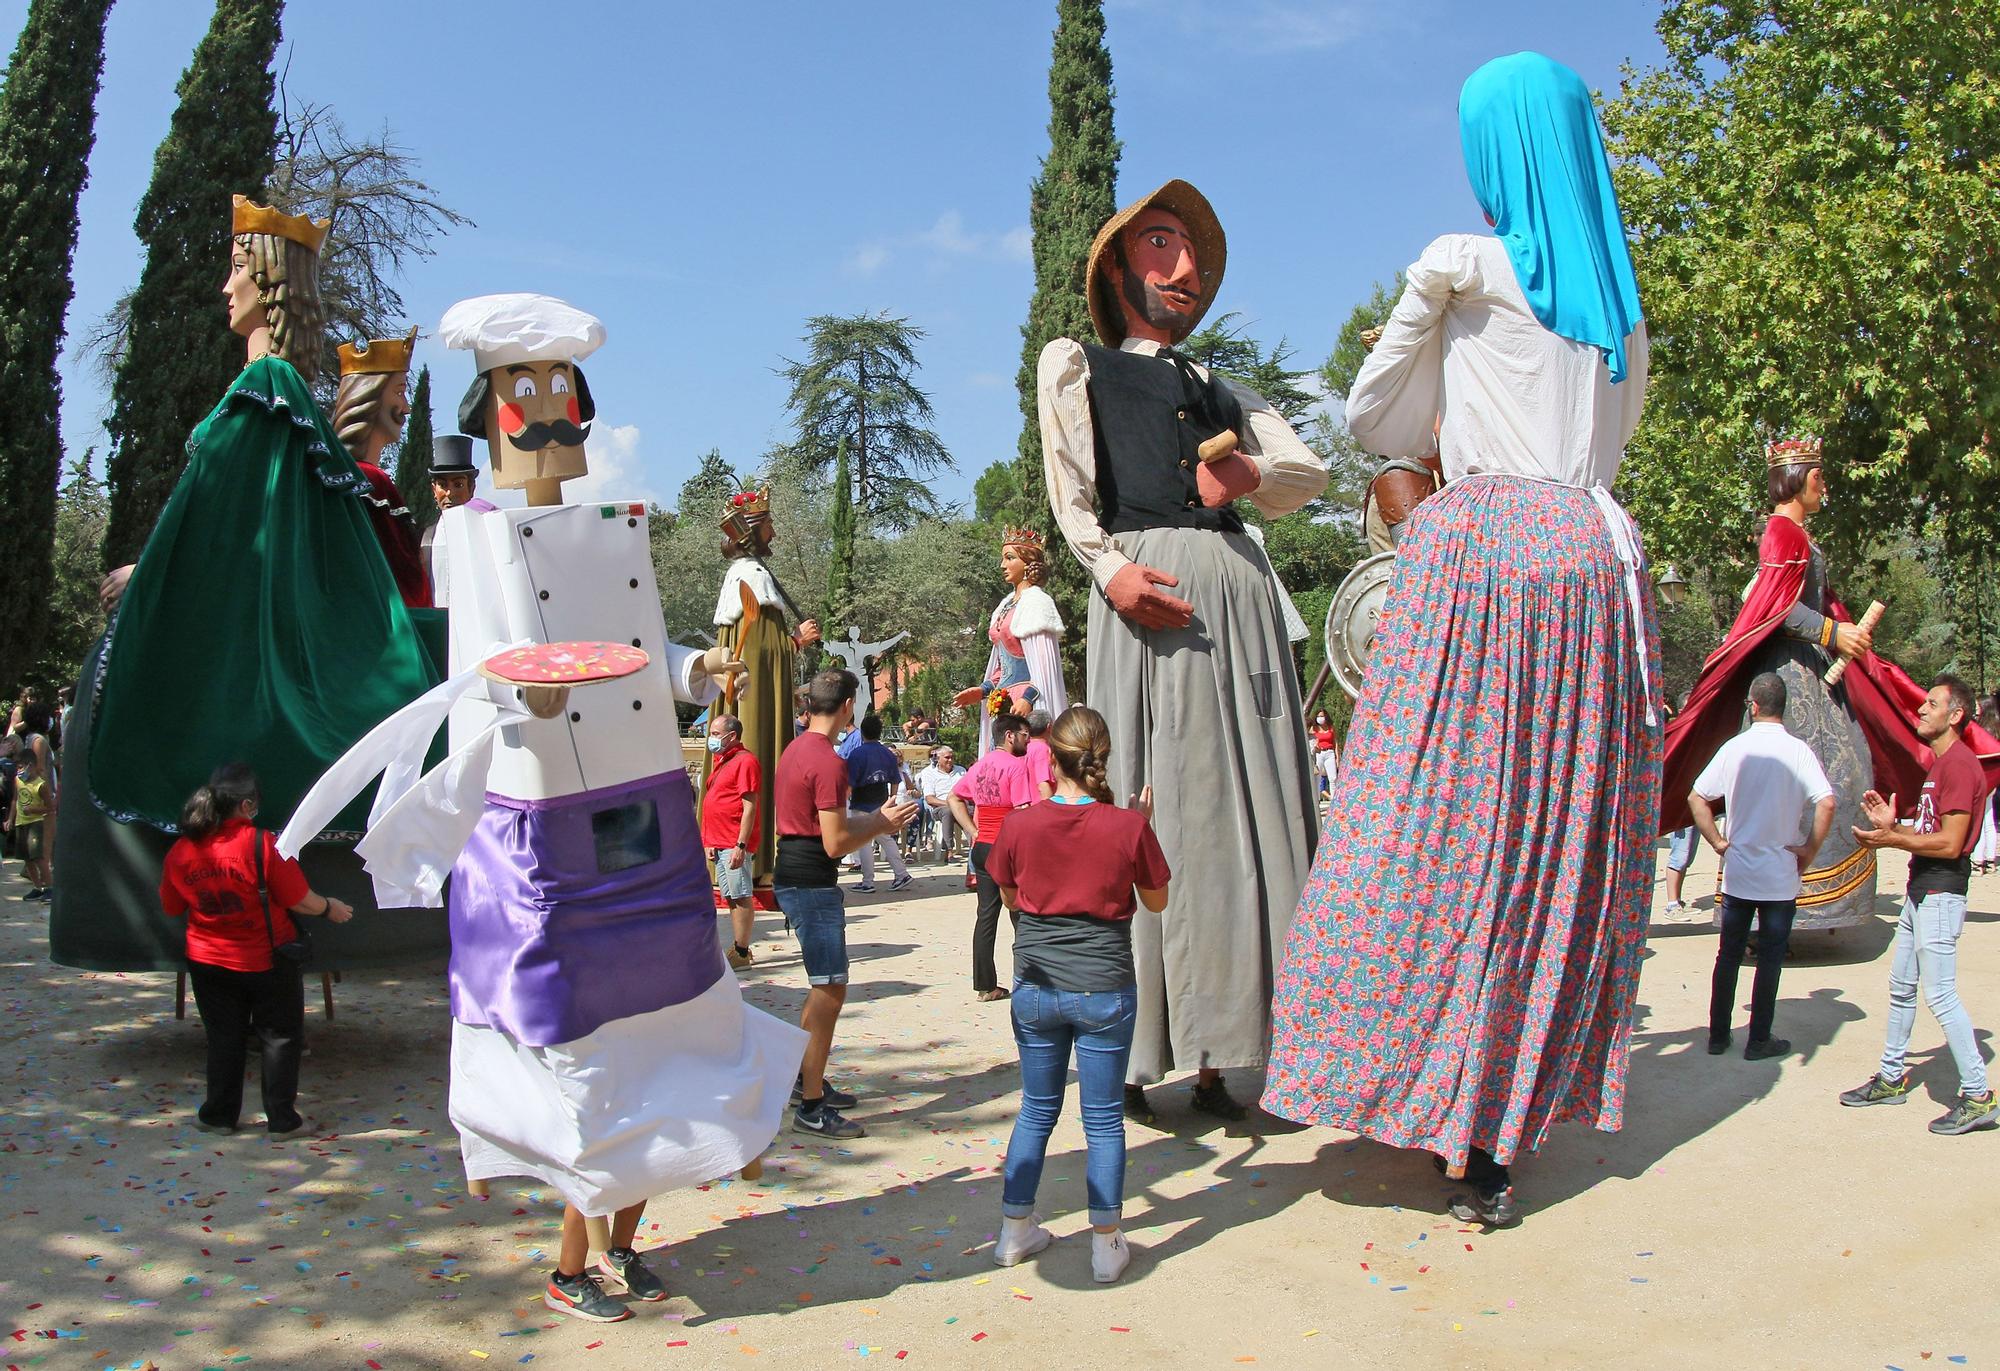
(1460,974)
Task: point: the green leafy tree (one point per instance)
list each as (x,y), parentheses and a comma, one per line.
(413,460)
(1349,468)
(1072,195)
(1810,190)
(857,387)
(705,494)
(840,528)
(48,121)
(75,616)
(178,361)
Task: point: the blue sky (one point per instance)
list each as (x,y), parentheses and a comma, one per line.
(706,177)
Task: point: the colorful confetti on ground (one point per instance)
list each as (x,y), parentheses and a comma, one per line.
(1738,1217)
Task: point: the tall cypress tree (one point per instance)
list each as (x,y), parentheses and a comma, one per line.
(840,577)
(413,463)
(1069,201)
(181,357)
(48,121)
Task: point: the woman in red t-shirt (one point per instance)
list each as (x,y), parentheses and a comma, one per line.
(241,986)
(1070,866)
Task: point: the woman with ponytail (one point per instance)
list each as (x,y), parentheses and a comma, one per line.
(1069,867)
(238,894)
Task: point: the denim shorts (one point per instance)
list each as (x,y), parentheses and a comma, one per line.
(734,884)
(817,916)
(1681,850)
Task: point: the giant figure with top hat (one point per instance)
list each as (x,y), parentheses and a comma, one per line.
(599,1042)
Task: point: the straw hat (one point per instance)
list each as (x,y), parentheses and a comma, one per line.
(1211,254)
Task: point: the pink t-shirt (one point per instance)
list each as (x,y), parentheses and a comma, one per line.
(1041,770)
(998,784)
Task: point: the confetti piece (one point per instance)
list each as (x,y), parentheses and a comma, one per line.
(978,1337)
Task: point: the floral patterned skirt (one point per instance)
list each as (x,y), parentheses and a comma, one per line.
(1462,968)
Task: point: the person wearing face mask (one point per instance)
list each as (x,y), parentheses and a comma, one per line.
(729,827)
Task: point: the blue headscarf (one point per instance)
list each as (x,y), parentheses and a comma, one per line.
(1538,168)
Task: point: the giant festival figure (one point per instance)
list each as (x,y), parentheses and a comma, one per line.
(1461,973)
(259,589)
(368,414)
(1026,630)
(599,1043)
(1145,455)
(1863,730)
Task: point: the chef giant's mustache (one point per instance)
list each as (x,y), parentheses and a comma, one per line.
(561,432)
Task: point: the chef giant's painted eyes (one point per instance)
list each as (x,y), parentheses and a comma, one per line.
(524,386)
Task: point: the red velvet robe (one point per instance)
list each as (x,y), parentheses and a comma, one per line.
(1880,694)
(396,531)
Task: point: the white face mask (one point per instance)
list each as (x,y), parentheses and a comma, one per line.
(715,742)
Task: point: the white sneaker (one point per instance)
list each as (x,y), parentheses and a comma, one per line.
(1020,1238)
(1677,912)
(1109,1256)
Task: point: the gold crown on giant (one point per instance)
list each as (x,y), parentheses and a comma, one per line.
(245,216)
(750,503)
(1021,537)
(377,356)
(1792,452)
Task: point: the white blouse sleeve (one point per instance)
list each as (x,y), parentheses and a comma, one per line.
(1069,457)
(1394,405)
(1290,474)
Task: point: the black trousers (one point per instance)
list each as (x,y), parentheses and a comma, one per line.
(987,930)
(1774,935)
(234,1005)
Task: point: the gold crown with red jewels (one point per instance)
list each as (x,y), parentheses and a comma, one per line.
(750,503)
(1021,537)
(1792,452)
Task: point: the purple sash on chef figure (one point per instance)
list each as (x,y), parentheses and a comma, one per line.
(571,912)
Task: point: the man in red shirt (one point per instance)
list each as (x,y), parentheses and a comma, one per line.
(815,830)
(997,784)
(1926,949)
(729,827)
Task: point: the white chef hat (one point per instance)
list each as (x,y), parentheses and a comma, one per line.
(504,330)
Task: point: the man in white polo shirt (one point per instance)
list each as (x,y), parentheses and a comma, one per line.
(1766,780)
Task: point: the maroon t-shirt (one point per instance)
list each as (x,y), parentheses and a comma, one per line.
(1956,784)
(811,777)
(1073,868)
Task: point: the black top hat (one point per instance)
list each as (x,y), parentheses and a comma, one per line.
(451,455)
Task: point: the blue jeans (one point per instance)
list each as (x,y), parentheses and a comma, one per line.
(1774,934)
(1680,850)
(1047,1024)
(817,915)
(1926,953)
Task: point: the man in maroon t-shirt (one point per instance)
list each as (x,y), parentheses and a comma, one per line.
(729,827)
(997,784)
(815,830)
(1926,948)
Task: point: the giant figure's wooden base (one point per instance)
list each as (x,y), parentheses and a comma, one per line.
(105,914)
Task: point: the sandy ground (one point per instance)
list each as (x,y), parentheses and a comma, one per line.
(1742,1217)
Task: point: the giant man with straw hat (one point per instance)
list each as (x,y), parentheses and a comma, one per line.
(1145,454)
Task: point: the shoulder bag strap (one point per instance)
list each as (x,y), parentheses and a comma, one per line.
(263,892)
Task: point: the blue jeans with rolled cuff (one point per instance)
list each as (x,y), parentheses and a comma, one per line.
(1048,1024)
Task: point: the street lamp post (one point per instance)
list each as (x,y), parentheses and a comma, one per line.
(1673,586)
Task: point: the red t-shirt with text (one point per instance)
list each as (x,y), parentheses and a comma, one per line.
(1956,784)
(213,881)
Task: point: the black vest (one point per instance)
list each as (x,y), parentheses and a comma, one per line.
(1149,419)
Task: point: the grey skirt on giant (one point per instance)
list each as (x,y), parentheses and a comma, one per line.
(1209,717)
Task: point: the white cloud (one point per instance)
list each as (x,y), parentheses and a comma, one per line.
(617,471)
(946,239)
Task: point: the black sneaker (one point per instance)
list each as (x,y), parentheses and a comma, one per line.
(205,1126)
(1767,1047)
(627,1271)
(1138,1108)
(1497,1210)
(839,1099)
(1718,1046)
(826,1122)
(1214,1100)
(581,1297)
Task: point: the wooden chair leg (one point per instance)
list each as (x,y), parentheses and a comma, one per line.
(180,994)
(326,991)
